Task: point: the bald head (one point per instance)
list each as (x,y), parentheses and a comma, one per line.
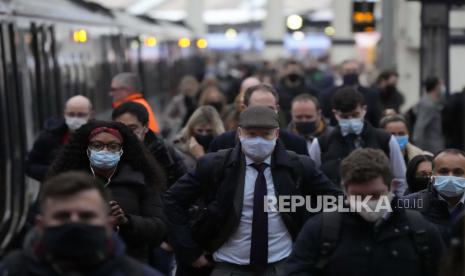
(77,104)
(78,111)
(249,82)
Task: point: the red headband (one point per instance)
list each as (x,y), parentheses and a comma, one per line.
(112,131)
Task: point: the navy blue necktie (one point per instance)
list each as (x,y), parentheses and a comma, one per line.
(259,242)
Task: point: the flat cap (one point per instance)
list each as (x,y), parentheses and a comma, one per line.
(259,117)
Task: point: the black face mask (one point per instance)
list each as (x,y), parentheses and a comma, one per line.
(293,77)
(217,105)
(390,89)
(76,244)
(419,183)
(204,140)
(350,79)
(305,128)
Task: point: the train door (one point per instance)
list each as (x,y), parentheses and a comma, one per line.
(47,87)
(12,138)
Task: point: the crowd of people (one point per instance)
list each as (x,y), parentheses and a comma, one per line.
(184,190)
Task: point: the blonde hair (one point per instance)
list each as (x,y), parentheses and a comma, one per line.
(203,115)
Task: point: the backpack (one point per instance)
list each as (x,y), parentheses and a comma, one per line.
(331,227)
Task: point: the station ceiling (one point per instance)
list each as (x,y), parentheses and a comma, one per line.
(219,11)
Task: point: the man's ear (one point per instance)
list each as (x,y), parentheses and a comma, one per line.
(277,133)
(146,129)
(91,115)
(243,107)
(364,108)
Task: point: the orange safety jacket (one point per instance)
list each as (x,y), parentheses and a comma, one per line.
(139,98)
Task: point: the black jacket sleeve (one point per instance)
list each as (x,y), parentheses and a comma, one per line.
(177,200)
(169,159)
(306,249)
(149,225)
(215,145)
(177,168)
(315,182)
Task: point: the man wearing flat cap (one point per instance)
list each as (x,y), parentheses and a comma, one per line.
(232,231)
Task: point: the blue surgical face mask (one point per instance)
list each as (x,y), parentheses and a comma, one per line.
(449,186)
(104,159)
(257,148)
(351,126)
(402,141)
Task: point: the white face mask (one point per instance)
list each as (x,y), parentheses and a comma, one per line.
(377,208)
(74,123)
(257,148)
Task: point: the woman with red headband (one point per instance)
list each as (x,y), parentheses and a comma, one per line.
(110,151)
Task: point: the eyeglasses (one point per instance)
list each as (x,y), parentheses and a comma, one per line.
(98,146)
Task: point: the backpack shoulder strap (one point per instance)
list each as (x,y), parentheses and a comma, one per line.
(14,264)
(420,239)
(330,230)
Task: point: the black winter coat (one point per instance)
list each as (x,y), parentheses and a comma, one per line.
(143,208)
(363,249)
(453,122)
(290,141)
(166,156)
(45,148)
(219,179)
(433,209)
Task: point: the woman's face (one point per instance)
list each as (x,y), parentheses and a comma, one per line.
(425,168)
(397,128)
(105,141)
(203,129)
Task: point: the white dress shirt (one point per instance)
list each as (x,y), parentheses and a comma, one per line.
(237,249)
